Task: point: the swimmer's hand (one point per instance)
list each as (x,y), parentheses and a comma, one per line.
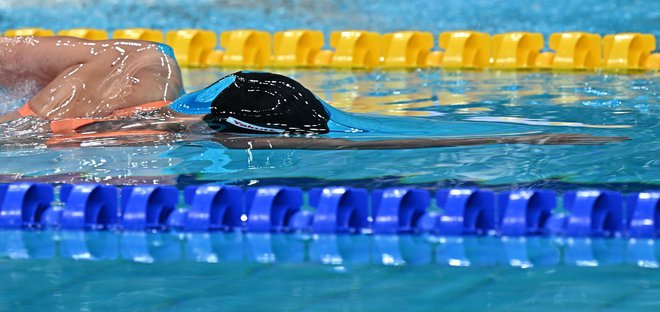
(563,139)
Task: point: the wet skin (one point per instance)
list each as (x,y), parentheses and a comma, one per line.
(82,78)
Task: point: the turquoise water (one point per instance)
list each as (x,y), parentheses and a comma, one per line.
(426,103)
(168,271)
(105,286)
(232,272)
(446,104)
(450,104)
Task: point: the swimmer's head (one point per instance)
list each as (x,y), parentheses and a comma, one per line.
(257,102)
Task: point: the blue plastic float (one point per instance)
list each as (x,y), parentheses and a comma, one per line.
(331,210)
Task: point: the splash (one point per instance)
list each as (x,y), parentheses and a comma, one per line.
(12,98)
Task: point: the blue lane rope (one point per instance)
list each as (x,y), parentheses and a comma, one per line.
(337,210)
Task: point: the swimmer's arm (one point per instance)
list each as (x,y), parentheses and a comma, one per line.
(39,59)
(237,141)
(42,59)
(49,61)
(243,142)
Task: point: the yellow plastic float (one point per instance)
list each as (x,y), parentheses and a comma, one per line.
(652,62)
(355,49)
(36,32)
(139,34)
(465,49)
(627,51)
(296,47)
(214,58)
(516,50)
(544,60)
(85,33)
(192,46)
(406,48)
(323,58)
(434,58)
(245,48)
(575,50)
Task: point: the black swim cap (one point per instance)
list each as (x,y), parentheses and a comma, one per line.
(259,102)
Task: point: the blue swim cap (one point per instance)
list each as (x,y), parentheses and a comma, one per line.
(199,102)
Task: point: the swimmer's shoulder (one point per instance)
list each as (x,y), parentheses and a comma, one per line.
(46,57)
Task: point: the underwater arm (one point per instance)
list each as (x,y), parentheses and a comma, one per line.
(244,142)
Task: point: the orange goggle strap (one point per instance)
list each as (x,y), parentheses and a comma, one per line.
(25,110)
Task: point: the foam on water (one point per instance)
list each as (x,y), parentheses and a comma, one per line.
(12,98)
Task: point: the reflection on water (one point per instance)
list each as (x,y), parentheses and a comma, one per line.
(336,250)
(446,103)
(232,271)
(427,91)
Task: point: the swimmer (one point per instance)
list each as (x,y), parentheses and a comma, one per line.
(96,86)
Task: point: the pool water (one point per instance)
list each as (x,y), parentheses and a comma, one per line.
(166,271)
(295,278)
(39,270)
(403,105)
(94,286)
